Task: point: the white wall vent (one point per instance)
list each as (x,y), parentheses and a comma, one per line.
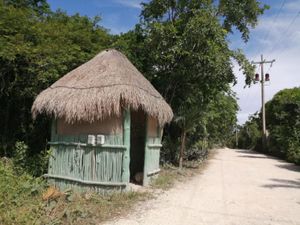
(100,139)
(91,139)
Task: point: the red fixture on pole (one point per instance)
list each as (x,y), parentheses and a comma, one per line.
(267,77)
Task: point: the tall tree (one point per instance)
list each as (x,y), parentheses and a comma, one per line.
(191,61)
(37,47)
(188,58)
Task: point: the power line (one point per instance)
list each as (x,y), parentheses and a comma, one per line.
(270,67)
(285,32)
(271,27)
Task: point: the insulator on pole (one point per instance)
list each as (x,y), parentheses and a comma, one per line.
(267,77)
(257,77)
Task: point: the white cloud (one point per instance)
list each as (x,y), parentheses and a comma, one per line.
(133,4)
(120,15)
(130,3)
(292,5)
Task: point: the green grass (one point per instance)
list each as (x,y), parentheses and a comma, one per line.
(21,202)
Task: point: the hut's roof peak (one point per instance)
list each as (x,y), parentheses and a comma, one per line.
(100,88)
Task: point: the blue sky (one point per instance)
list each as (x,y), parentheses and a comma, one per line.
(277,36)
(117,15)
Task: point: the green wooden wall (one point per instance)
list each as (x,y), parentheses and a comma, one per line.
(101,168)
(152,156)
(77,165)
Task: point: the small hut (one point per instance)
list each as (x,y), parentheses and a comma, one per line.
(107,125)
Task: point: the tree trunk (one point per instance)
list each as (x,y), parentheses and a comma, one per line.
(182,148)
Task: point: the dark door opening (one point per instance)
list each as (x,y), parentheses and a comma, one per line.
(137,146)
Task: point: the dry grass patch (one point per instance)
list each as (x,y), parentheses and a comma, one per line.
(89,208)
(170,174)
(25,200)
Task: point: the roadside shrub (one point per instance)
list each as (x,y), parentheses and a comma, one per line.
(194,152)
(19,195)
(249,135)
(20,157)
(293,153)
(283,113)
(34,164)
(199,151)
(170,150)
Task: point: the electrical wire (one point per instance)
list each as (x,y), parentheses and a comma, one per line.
(269,68)
(284,34)
(275,19)
(273,22)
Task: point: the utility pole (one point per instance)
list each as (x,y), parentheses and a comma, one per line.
(236,137)
(262,81)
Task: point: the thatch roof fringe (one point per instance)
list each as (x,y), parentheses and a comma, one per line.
(111,85)
(99,89)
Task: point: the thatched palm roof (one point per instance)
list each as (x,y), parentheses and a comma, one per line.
(99,88)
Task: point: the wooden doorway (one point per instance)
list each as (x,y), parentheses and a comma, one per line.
(137,146)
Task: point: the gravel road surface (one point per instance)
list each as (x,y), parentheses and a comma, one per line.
(239,187)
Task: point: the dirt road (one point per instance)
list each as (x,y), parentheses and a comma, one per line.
(238,188)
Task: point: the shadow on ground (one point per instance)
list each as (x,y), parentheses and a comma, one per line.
(275,183)
(289,167)
(249,152)
(252,156)
(256,155)
(283,183)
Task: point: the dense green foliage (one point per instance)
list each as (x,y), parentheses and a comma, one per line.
(181,46)
(35,50)
(283,113)
(249,135)
(283,125)
(19,195)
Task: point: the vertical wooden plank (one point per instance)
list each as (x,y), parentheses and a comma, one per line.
(159,133)
(52,160)
(93,164)
(126,154)
(53,129)
(157,129)
(146,160)
(152,154)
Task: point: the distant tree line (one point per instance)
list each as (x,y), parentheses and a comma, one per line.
(181,46)
(283,125)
